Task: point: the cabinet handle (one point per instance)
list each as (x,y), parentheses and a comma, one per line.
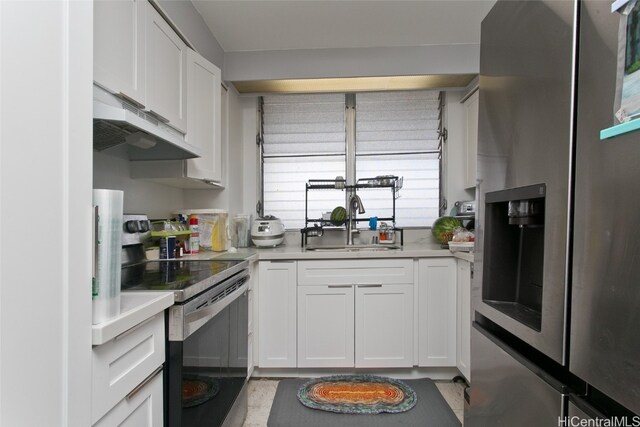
(135,328)
(140,386)
(159,116)
(94,252)
(278,261)
(130,100)
(340,286)
(372,285)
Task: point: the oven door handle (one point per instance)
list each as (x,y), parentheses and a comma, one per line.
(194,320)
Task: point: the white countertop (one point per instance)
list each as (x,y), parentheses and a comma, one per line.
(295,252)
(135,308)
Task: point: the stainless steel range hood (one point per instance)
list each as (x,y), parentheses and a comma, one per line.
(117,122)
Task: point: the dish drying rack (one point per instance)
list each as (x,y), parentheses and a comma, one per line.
(393,183)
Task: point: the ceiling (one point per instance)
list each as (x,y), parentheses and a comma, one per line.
(299,24)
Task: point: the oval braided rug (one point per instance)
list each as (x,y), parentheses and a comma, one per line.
(357,394)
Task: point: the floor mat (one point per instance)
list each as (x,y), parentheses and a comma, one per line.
(357,394)
(431,410)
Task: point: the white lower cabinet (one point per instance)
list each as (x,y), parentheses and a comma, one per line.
(384,326)
(464,276)
(355,313)
(126,371)
(437,312)
(325,326)
(277,314)
(142,407)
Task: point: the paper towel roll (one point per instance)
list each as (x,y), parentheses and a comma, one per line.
(107,256)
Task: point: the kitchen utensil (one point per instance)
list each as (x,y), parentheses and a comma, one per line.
(242,223)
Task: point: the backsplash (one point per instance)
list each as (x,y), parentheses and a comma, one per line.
(156,200)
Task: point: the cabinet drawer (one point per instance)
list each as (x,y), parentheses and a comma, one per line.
(144,407)
(354,272)
(124,362)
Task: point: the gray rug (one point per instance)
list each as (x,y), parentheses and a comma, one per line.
(430,411)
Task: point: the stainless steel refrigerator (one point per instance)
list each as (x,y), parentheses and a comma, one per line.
(556,295)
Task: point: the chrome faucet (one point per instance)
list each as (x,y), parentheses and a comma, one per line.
(354,202)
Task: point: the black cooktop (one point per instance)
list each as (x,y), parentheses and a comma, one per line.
(185,278)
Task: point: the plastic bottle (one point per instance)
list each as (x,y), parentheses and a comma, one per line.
(194,240)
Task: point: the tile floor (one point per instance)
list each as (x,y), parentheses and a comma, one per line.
(262,391)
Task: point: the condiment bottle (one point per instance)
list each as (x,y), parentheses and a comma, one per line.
(194,239)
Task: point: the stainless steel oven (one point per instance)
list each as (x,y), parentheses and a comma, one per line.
(205,371)
(206,368)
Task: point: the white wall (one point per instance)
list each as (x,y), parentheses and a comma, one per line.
(45,207)
(156,200)
(185,16)
(250,159)
(350,62)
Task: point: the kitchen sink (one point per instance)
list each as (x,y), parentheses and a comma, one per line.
(352,248)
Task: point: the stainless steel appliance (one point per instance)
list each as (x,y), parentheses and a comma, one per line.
(465,211)
(207,330)
(555,295)
(465,208)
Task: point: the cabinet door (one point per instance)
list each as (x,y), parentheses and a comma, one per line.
(384,326)
(464,317)
(325,326)
(471,146)
(119,48)
(354,272)
(119,365)
(166,71)
(437,312)
(142,407)
(204,125)
(277,314)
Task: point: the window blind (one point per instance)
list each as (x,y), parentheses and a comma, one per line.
(397,134)
(303,138)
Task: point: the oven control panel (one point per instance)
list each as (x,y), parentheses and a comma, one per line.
(136,229)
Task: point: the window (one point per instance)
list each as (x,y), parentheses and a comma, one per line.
(395,133)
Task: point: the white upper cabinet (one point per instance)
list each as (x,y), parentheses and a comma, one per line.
(207,101)
(471,146)
(205,118)
(140,58)
(166,72)
(119,49)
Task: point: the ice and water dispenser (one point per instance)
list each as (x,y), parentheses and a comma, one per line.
(514,252)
